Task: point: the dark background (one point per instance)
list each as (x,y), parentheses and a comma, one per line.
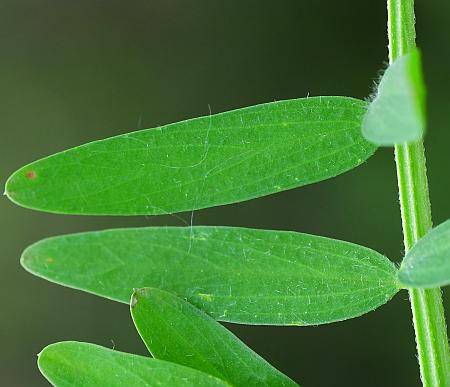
(75,71)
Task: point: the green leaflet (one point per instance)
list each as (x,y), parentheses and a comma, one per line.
(427,264)
(199,163)
(176,331)
(234,274)
(397,115)
(69,364)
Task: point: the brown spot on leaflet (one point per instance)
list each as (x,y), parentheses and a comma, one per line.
(30,175)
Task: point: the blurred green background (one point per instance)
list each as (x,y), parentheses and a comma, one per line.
(75,71)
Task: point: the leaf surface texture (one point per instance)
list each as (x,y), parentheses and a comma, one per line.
(234,274)
(198,163)
(69,364)
(176,331)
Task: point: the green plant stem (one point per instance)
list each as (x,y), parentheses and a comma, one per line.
(426,304)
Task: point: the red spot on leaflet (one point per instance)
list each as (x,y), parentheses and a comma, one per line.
(30,175)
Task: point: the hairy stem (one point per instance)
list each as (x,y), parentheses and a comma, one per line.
(426,304)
